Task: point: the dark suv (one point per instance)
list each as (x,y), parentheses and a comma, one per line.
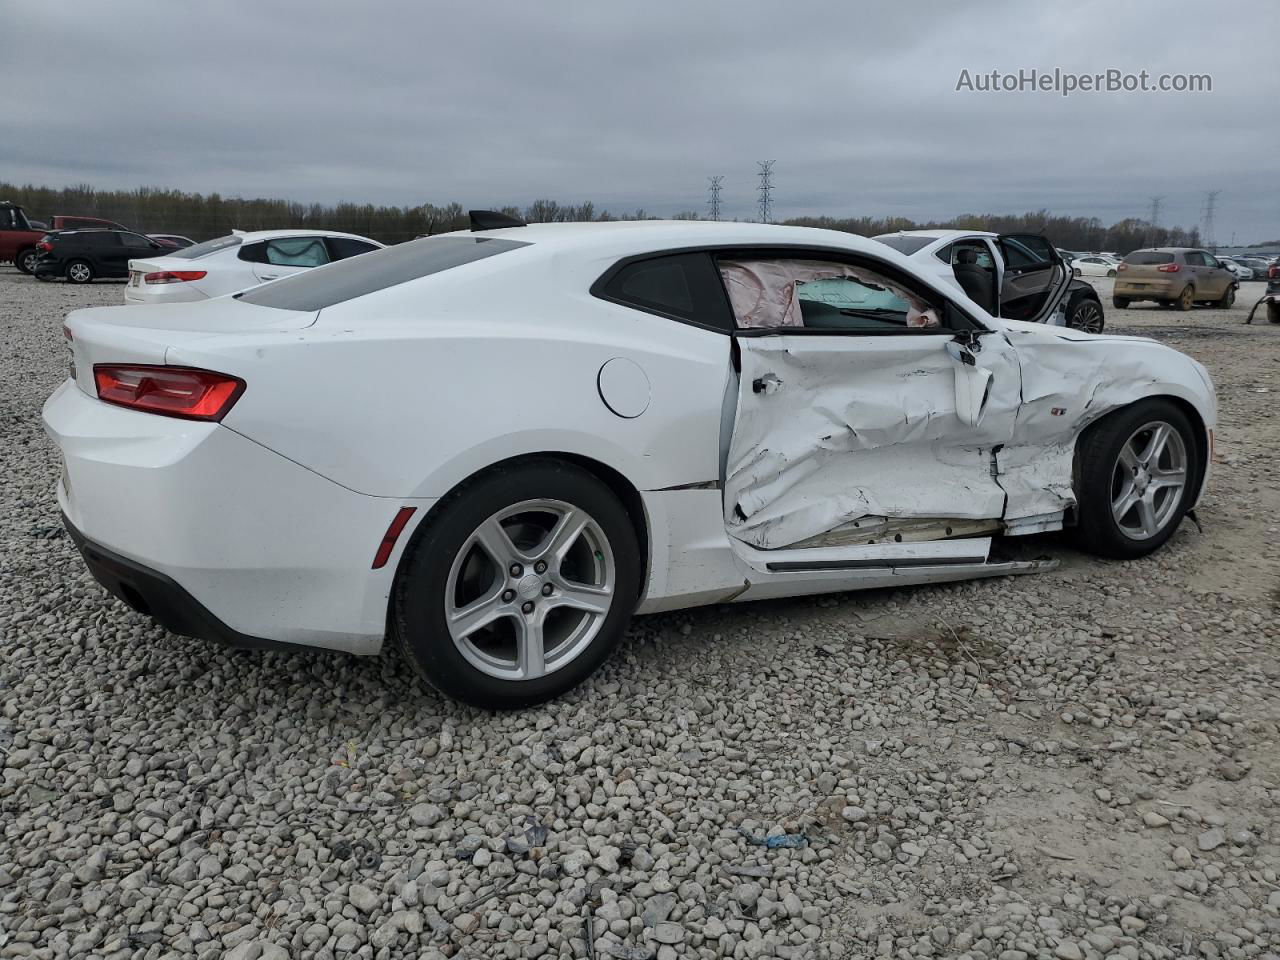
(85,255)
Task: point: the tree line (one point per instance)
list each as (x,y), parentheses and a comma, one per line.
(203,216)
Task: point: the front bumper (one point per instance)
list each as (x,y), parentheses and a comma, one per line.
(261,550)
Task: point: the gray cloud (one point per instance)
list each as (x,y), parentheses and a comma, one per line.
(633,104)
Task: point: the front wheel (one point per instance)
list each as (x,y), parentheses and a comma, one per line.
(25,261)
(1111,273)
(519,587)
(1228,297)
(78,271)
(1087,316)
(1120,303)
(1273,312)
(1138,476)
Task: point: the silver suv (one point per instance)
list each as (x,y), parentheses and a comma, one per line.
(1174,276)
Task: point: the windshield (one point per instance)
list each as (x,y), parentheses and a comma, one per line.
(905,244)
(377,270)
(197,250)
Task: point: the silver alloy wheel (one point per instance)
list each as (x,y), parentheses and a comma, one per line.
(28,262)
(1088,317)
(80,272)
(1148,480)
(530,589)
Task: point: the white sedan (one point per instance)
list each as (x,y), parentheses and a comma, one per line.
(495,446)
(236,262)
(1094,265)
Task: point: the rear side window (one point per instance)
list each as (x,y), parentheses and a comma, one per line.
(342,247)
(197,250)
(297,252)
(907,245)
(388,267)
(682,286)
(1141,257)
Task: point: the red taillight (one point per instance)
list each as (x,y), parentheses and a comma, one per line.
(44,246)
(1273,271)
(174,276)
(168,391)
(389,538)
(1169,268)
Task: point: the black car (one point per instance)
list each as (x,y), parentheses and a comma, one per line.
(85,255)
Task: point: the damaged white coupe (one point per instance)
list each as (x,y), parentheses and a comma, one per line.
(495,446)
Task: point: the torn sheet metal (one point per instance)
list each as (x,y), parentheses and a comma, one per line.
(860,427)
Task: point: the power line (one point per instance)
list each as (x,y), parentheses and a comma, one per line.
(766,189)
(714,191)
(1210,201)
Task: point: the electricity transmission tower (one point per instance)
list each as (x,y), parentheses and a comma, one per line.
(1210,201)
(766,189)
(1153,219)
(714,196)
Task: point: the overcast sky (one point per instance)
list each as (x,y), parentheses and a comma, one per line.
(634,104)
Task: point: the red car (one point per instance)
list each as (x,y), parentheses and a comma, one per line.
(17,238)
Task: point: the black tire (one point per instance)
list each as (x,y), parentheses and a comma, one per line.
(1120,303)
(1075,271)
(1227,299)
(1111,273)
(1097,455)
(418,619)
(1087,316)
(1186,299)
(1273,312)
(1168,304)
(75,274)
(25,260)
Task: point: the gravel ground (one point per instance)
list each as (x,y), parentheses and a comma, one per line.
(1074,765)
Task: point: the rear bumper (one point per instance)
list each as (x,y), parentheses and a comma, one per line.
(161,598)
(163,293)
(1149,289)
(217,536)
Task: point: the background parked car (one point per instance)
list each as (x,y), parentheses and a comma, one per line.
(18,238)
(1015,276)
(232,263)
(1174,276)
(82,256)
(172,240)
(1237,269)
(1094,265)
(1258,265)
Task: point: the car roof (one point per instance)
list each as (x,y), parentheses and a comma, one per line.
(948,234)
(627,237)
(251,235)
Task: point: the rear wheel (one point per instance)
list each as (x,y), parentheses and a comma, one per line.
(1120,303)
(79,271)
(1111,273)
(1138,475)
(1273,312)
(25,261)
(519,587)
(1186,299)
(1087,316)
(1228,297)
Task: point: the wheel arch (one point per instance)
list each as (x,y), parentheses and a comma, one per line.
(615,480)
(1203,437)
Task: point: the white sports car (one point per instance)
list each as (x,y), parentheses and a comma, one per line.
(496,445)
(1094,265)
(236,262)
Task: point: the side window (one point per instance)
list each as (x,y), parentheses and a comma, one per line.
(136,241)
(1192,258)
(297,252)
(253,253)
(815,294)
(8,218)
(683,286)
(342,247)
(945,253)
(102,238)
(1026,251)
